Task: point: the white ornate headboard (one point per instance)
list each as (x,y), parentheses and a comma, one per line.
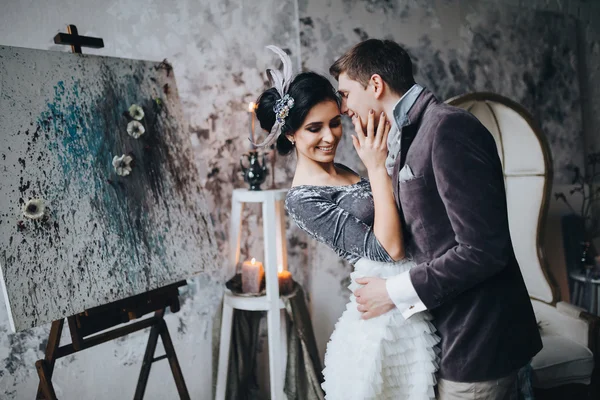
(528,178)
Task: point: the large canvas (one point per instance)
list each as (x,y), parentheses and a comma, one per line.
(99,195)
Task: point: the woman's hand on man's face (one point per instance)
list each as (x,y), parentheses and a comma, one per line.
(372,146)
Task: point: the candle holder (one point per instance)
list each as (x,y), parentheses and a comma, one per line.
(255,174)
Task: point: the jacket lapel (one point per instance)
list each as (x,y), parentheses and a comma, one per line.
(407,134)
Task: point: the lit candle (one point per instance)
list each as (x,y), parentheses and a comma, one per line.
(251,108)
(286,284)
(252,276)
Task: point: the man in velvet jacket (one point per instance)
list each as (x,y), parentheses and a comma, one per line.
(449,188)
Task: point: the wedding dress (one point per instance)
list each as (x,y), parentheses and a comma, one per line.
(387,357)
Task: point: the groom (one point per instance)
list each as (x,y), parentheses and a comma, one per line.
(448,183)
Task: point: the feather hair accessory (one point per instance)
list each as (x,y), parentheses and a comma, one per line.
(281,82)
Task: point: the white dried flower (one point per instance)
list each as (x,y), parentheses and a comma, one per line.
(34,209)
(135,129)
(136,112)
(122,165)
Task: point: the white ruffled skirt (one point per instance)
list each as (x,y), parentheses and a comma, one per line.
(387,357)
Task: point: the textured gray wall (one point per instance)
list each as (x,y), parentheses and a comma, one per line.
(217,49)
(529,55)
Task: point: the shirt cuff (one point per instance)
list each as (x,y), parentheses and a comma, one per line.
(403,294)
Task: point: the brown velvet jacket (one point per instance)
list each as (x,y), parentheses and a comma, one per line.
(456,228)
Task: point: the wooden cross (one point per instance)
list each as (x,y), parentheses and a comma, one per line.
(77,42)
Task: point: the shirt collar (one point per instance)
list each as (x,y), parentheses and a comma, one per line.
(404,105)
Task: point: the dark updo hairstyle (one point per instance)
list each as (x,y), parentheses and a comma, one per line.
(307,89)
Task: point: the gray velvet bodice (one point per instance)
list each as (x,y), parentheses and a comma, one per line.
(340,217)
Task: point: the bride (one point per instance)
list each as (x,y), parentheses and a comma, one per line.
(386,357)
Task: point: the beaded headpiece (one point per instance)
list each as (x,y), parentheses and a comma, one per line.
(282,108)
(281,82)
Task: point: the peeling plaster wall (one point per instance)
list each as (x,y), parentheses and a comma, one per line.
(217,50)
(533,52)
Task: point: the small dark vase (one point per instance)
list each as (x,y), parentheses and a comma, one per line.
(255,173)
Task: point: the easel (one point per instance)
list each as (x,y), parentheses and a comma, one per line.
(85,327)
(97,319)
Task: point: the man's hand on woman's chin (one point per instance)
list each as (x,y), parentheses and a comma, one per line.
(373,299)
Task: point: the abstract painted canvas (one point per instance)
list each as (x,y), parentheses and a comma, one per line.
(100,199)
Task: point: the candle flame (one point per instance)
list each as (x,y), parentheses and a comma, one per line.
(251,106)
(253,261)
(279,268)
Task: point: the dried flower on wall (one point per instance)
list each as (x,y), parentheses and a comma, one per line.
(122,165)
(135,129)
(34,209)
(136,112)
(586,185)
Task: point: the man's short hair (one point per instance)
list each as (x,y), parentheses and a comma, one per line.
(374,56)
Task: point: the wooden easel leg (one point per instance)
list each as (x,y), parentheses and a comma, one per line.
(160,328)
(173,362)
(147,363)
(76,338)
(45,367)
(45,388)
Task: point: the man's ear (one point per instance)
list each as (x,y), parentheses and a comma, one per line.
(378,85)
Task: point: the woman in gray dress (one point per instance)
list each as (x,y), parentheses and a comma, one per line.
(379,358)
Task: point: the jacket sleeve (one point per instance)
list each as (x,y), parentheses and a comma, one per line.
(468,175)
(328,223)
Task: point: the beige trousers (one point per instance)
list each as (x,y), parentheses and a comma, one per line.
(498,389)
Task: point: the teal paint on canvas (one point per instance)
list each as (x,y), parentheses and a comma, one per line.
(105,236)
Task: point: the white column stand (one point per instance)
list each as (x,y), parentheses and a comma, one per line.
(275,255)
